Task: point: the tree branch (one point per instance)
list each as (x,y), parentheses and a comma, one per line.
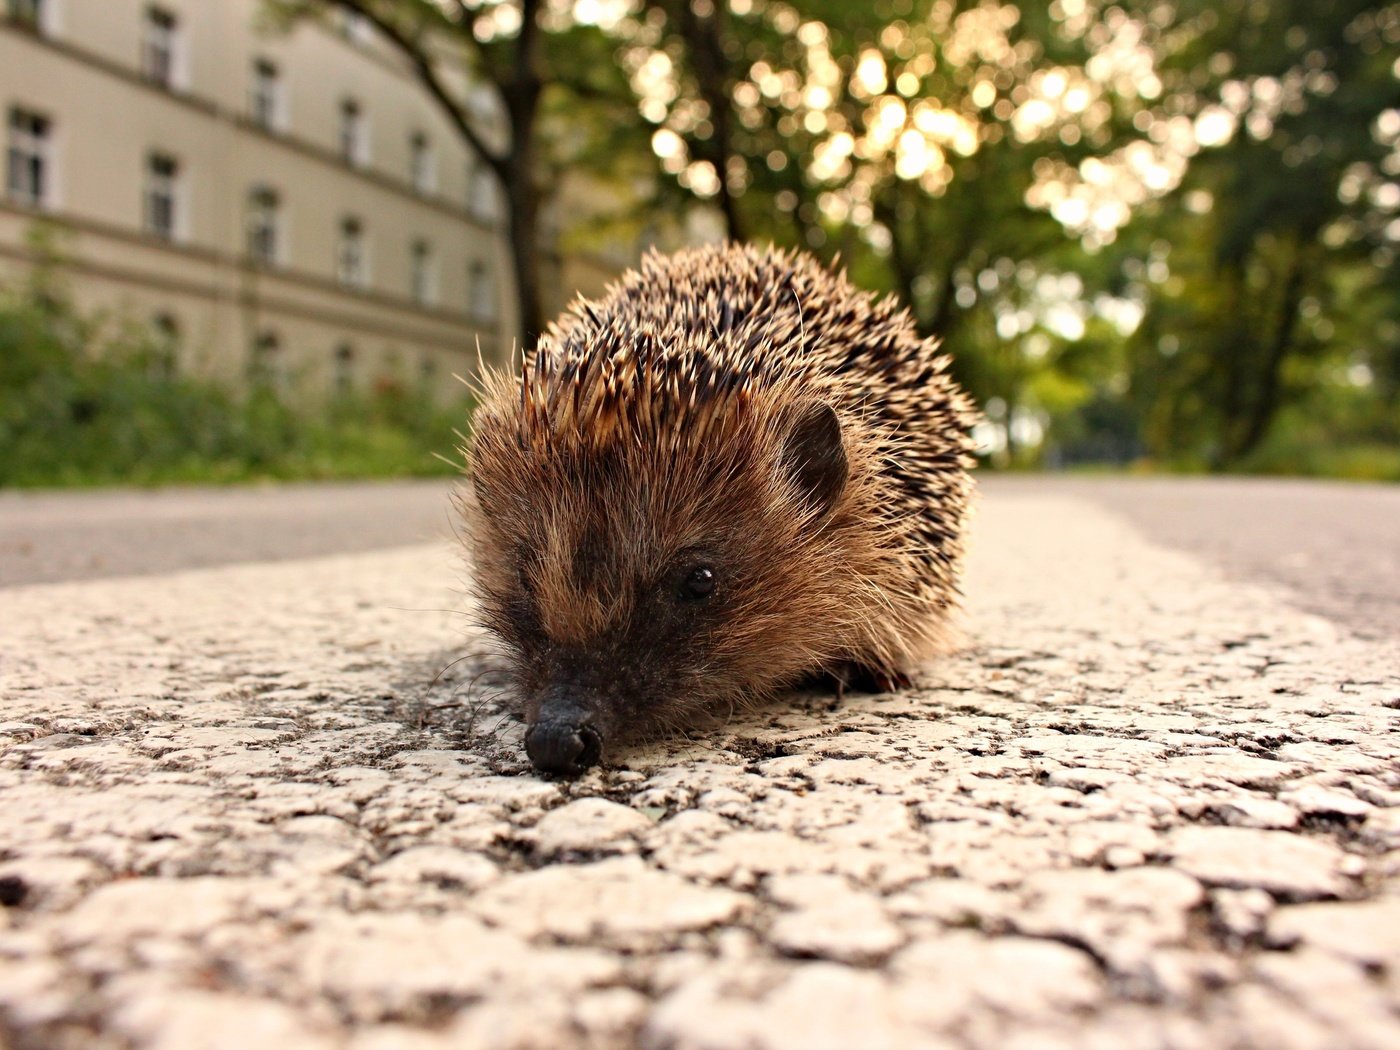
(703,36)
(469,17)
(427,74)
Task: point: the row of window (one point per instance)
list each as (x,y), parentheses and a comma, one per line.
(266,365)
(267,109)
(163,63)
(162,53)
(28,174)
(352,256)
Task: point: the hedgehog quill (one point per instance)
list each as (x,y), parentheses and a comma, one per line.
(733,473)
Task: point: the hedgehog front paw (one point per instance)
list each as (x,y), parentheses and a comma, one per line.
(856,678)
(863,679)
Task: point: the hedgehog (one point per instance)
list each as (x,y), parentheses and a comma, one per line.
(732,474)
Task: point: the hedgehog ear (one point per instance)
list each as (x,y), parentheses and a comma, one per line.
(814,456)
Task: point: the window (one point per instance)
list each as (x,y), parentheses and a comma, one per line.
(265,360)
(265,96)
(481,192)
(165,342)
(343,372)
(159,47)
(421,282)
(28,163)
(350,265)
(162,179)
(481,291)
(354,27)
(354,137)
(264,244)
(28,13)
(421,163)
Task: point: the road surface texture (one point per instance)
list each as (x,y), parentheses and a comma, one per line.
(51,536)
(1336,546)
(258,805)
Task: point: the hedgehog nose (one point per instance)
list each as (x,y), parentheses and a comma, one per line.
(562,746)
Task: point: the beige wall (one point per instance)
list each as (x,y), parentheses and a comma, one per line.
(83,73)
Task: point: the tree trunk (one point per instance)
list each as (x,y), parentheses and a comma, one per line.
(523,226)
(1266,403)
(704,36)
(902,265)
(945,312)
(1235,366)
(907,264)
(521,95)
(1011,447)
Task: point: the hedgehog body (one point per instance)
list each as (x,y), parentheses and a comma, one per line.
(732,473)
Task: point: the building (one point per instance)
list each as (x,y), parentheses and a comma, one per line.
(286,206)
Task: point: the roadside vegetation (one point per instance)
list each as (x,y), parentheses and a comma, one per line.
(92,401)
(1151,235)
(89,400)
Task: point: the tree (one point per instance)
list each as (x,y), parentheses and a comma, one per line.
(1285,196)
(701,27)
(1217,177)
(519,52)
(907,137)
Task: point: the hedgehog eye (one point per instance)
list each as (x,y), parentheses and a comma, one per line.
(697,584)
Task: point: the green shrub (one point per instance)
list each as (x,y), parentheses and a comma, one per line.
(1358,461)
(81,406)
(1332,436)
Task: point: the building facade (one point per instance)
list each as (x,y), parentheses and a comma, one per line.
(281,204)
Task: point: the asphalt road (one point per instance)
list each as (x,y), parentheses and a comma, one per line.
(1146,807)
(1335,546)
(51,536)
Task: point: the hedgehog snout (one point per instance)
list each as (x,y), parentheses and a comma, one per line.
(564,740)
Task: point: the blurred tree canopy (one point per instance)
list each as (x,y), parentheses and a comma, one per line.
(1144,228)
(1280,240)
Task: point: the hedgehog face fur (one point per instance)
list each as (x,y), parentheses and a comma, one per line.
(732,472)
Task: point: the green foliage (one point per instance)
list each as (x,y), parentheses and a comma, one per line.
(1239,307)
(1246,154)
(80,405)
(1279,274)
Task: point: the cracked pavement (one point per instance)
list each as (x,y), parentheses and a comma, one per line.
(261,805)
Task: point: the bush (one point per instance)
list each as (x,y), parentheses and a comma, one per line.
(80,406)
